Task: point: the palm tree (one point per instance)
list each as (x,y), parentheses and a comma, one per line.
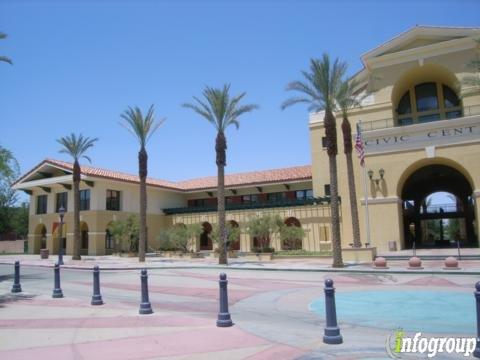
(4,58)
(347,99)
(221,111)
(142,127)
(76,147)
(319,90)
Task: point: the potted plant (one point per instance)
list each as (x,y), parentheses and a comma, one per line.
(260,229)
(233,238)
(179,239)
(126,235)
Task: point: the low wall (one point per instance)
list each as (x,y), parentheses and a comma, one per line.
(12,247)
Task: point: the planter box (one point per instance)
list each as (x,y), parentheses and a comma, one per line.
(128,254)
(259,256)
(44,253)
(178,254)
(359,255)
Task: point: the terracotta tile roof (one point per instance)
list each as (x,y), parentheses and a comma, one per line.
(251,178)
(241,179)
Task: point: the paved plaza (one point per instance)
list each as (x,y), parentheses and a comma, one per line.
(277,313)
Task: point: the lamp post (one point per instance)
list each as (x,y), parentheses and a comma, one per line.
(381,172)
(61,212)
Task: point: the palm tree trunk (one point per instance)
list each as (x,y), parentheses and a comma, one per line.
(347,142)
(335,216)
(220,148)
(142,172)
(332,150)
(76,211)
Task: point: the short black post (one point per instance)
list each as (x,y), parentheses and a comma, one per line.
(16,288)
(57,291)
(224,319)
(96,297)
(145,306)
(332,331)
(458,249)
(476,352)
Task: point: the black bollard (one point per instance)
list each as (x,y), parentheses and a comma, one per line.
(224,319)
(145,306)
(16,288)
(57,291)
(332,331)
(476,352)
(96,297)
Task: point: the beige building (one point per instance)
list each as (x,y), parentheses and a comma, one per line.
(420,136)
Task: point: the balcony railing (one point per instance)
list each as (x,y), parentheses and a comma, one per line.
(390,122)
(266,205)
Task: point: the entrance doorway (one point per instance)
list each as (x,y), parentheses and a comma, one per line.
(438,209)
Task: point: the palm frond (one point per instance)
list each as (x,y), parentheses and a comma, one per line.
(6,59)
(75,146)
(219,108)
(142,127)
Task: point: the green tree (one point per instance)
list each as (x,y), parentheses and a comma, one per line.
(142,127)
(4,58)
(319,90)
(221,110)
(179,237)
(262,228)
(76,147)
(232,235)
(9,172)
(346,99)
(126,232)
(291,236)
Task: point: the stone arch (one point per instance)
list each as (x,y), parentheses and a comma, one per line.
(422,219)
(205,239)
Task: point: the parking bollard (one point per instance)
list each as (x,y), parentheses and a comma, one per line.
(332,331)
(476,352)
(96,297)
(224,319)
(16,288)
(57,291)
(145,306)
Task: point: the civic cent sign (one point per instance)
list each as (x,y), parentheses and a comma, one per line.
(417,136)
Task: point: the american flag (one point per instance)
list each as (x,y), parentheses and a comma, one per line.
(359,146)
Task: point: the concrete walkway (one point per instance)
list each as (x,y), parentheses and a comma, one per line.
(270,310)
(468,266)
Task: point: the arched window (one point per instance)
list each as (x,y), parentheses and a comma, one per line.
(428,101)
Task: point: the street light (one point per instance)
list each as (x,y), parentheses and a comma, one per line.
(61,212)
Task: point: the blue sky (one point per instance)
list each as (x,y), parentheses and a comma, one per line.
(78,65)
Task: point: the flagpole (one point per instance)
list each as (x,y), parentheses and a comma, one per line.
(367,217)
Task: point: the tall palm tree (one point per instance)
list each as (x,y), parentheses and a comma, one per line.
(221,110)
(347,99)
(142,127)
(318,89)
(4,58)
(76,147)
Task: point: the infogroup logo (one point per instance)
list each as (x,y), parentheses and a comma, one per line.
(398,343)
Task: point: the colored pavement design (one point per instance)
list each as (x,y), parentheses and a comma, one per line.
(270,310)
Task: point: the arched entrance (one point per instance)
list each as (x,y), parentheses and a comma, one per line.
(438,208)
(83,238)
(205,240)
(40,238)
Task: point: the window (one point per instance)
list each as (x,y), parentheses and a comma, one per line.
(113,200)
(427,102)
(276,197)
(84,199)
(250,199)
(42,204)
(62,201)
(326,189)
(304,194)
(324,142)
